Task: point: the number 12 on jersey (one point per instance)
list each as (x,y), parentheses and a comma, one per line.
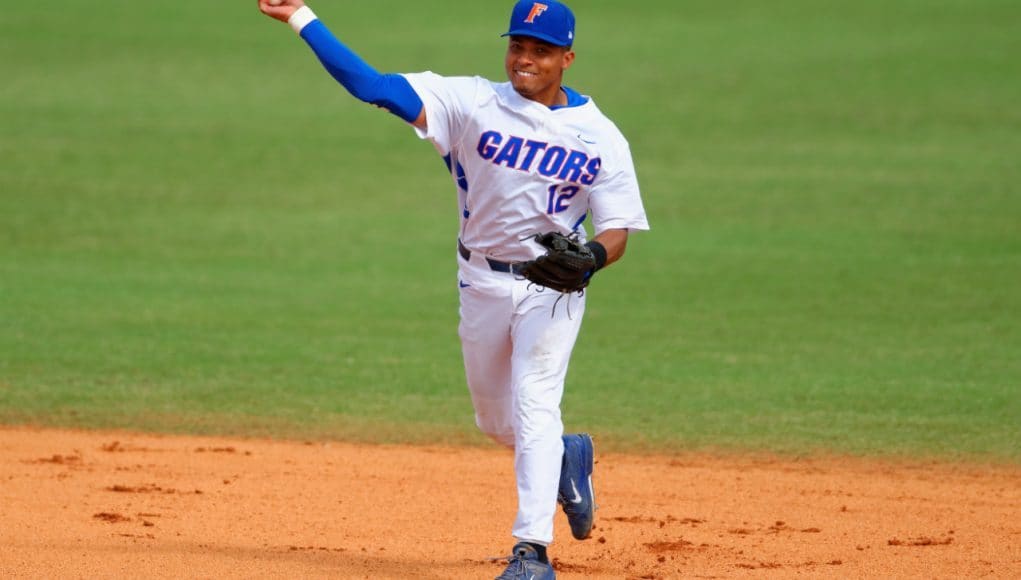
(560,198)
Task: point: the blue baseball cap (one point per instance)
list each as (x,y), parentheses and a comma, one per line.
(547,20)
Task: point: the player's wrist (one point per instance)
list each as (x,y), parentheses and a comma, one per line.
(599,253)
(301,18)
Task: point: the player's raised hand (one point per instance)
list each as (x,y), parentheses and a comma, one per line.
(280,9)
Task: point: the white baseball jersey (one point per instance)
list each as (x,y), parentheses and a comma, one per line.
(522,168)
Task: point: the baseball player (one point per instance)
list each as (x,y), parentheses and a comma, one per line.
(532,160)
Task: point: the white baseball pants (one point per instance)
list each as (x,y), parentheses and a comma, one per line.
(516,347)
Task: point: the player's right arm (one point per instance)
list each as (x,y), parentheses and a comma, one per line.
(389,91)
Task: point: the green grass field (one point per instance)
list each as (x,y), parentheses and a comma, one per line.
(201,232)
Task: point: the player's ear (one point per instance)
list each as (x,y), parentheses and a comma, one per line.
(568,58)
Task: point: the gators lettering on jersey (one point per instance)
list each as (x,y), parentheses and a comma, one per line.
(522,168)
(553,161)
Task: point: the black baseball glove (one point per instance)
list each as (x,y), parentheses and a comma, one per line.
(566,266)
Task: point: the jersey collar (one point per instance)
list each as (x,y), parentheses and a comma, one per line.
(574,99)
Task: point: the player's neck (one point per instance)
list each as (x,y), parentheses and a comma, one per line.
(556,96)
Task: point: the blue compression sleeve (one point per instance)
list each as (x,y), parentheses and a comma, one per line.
(390,91)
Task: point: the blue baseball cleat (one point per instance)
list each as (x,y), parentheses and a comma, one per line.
(525,565)
(577,496)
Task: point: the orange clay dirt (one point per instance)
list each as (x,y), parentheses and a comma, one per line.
(117,505)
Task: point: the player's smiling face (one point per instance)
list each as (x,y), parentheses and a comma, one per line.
(536,68)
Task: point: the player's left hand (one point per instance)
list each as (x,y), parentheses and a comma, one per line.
(567,265)
(281,10)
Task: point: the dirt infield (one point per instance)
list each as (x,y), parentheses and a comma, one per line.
(117,505)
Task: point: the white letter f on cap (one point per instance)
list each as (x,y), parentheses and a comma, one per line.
(537,9)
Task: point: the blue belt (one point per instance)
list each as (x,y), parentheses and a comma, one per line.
(495,265)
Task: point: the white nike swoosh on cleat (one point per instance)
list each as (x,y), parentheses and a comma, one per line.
(577,496)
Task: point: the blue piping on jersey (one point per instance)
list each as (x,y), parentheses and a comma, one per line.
(574,99)
(462,179)
(390,91)
(578,223)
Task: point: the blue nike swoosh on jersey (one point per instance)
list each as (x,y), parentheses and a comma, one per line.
(463,285)
(585,140)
